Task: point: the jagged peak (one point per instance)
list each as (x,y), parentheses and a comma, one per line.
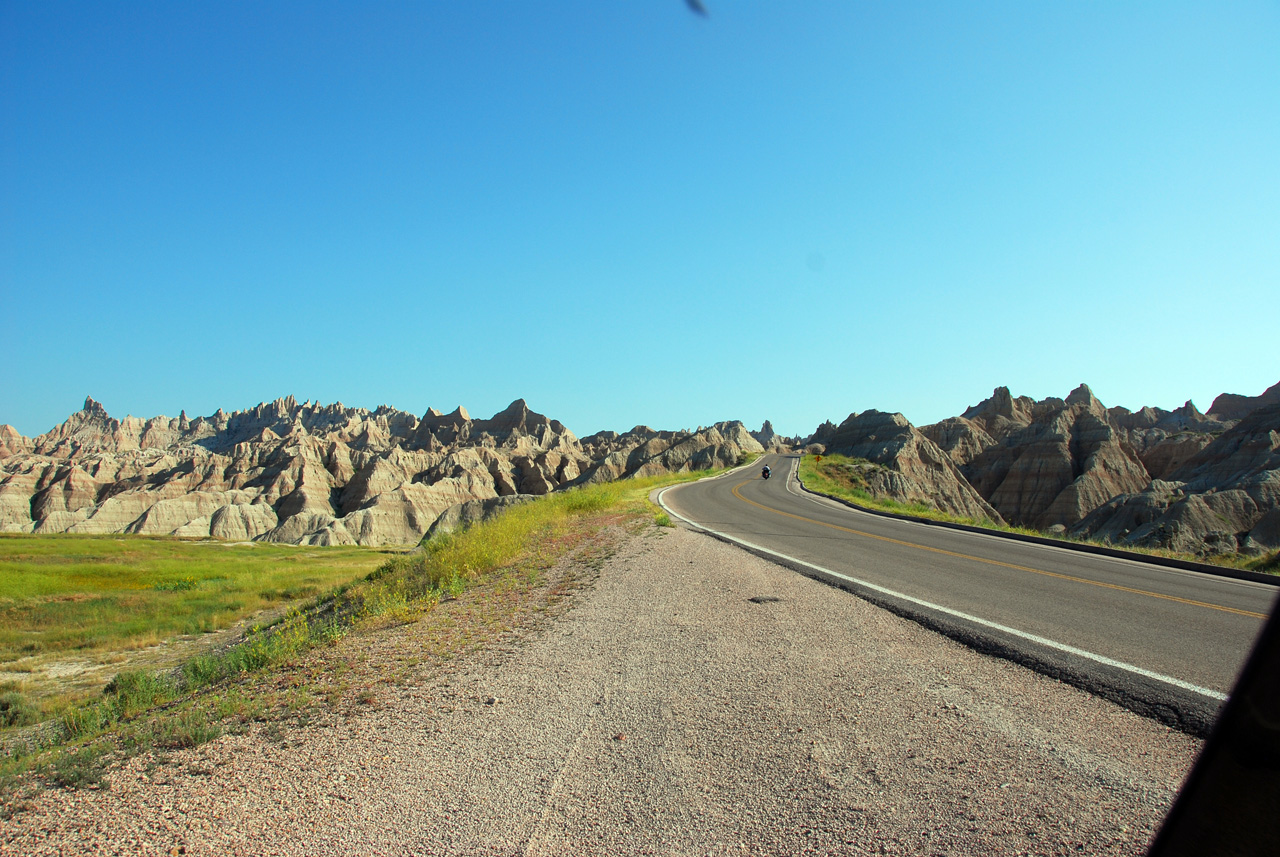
(1081,395)
(519,406)
(875,417)
(1188,409)
(1001,403)
(93,407)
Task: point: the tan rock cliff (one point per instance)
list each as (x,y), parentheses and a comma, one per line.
(315,474)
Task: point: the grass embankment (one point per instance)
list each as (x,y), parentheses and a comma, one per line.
(846,478)
(228,689)
(75,609)
(62,593)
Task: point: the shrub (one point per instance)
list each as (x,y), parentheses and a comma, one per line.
(17,710)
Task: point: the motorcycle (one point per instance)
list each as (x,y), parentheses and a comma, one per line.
(764,474)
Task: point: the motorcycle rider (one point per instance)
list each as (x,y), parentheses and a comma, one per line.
(764,472)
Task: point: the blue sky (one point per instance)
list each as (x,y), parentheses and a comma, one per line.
(626,214)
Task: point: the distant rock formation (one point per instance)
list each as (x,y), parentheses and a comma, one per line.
(316,474)
(771,441)
(645,452)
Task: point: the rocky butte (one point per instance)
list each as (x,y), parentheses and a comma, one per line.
(1202,483)
(319,474)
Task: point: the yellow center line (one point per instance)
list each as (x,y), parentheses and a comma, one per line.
(1072,578)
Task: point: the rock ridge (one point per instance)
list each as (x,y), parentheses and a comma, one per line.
(312,473)
(1201,483)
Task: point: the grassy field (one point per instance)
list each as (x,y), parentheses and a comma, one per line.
(70,593)
(842,477)
(212,690)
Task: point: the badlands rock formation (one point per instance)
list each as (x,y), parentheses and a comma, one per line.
(911,467)
(1043,463)
(316,474)
(1230,406)
(1195,482)
(774,442)
(1223,499)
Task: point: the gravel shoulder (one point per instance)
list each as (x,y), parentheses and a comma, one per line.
(695,699)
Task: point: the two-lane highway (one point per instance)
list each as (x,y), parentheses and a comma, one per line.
(1165,642)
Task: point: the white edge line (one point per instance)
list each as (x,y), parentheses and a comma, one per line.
(1034,638)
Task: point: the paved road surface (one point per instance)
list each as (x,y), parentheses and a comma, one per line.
(1164,642)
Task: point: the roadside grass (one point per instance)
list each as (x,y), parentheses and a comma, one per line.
(1266,564)
(259,678)
(844,478)
(77,594)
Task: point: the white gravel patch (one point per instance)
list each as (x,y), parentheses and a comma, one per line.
(666,713)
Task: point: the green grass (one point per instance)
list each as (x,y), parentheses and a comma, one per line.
(16,709)
(141,710)
(1267,564)
(844,478)
(454,559)
(71,593)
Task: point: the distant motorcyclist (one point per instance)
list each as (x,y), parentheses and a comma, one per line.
(764,472)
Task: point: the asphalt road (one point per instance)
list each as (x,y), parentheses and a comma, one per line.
(1164,642)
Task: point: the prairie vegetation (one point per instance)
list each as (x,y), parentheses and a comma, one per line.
(71,593)
(210,691)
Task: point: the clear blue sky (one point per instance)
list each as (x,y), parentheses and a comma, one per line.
(625,213)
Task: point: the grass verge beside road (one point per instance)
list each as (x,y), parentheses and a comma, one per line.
(75,609)
(61,593)
(261,676)
(843,478)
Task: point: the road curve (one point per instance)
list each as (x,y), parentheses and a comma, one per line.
(1163,642)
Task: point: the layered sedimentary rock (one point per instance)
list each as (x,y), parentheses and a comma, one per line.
(645,452)
(1051,462)
(1165,440)
(911,467)
(771,441)
(316,474)
(960,438)
(1225,498)
(1194,482)
(1003,414)
(473,511)
(1231,406)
